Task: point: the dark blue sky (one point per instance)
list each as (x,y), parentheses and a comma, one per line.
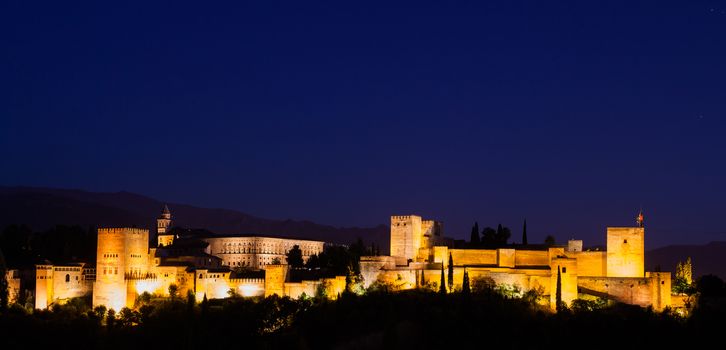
(571,114)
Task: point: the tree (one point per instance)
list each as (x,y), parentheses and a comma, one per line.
(524,233)
(294,256)
(488,236)
(110,319)
(204,304)
(684,277)
(475,234)
(451,273)
(3,284)
(465,288)
(502,235)
(423,278)
(710,286)
(549,240)
(313,262)
(173,291)
(276,261)
(191,300)
(128,317)
(442,286)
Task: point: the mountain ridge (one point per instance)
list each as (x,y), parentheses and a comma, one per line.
(42,208)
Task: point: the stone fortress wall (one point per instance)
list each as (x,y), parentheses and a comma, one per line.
(616,274)
(127,267)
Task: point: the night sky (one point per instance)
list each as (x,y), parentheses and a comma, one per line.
(570,114)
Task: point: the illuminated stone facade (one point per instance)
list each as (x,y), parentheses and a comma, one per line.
(127,267)
(58,283)
(616,274)
(258,251)
(163,224)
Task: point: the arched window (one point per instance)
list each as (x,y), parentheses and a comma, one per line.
(68,278)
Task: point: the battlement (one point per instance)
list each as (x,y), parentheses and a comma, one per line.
(117,230)
(403,217)
(246,280)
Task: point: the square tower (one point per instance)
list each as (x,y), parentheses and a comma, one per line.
(123,253)
(406,236)
(626,252)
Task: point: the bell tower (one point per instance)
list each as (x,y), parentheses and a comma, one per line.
(163,224)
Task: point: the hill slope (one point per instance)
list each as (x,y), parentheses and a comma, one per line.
(42,208)
(707,259)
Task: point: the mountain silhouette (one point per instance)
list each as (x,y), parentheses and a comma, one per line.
(43,208)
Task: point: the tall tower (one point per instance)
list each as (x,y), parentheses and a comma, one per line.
(405,237)
(122,254)
(163,224)
(626,252)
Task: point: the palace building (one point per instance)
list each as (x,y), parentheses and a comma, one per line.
(255,265)
(418,254)
(126,266)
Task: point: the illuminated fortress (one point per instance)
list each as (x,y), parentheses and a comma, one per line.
(418,251)
(205,266)
(127,267)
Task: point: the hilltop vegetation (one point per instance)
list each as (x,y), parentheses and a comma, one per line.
(412,319)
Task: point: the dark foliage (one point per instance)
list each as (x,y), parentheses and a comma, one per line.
(475,234)
(61,244)
(294,256)
(451,273)
(378,320)
(549,240)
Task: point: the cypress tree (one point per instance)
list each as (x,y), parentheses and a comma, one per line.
(524,233)
(423,278)
(465,288)
(451,273)
(475,234)
(442,286)
(558,293)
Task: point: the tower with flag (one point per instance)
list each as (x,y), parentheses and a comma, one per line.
(640,220)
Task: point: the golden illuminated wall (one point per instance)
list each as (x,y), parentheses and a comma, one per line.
(569,280)
(531,258)
(121,252)
(13,279)
(592,264)
(275,276)
(406,236)
(441,255)
(164,240)
(469,256)
(654,289)
(660,289)
(43,286)
(625,252)
(371,267)
(68,283)
(505,258)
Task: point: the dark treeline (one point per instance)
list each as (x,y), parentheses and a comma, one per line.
(493,238)
(62,244)
(420,319)
(489,237)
